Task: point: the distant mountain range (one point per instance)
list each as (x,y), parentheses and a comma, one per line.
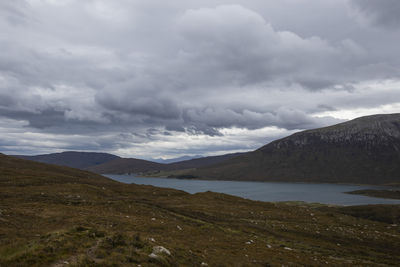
(365,150)
(167,161)
(112,164)
(122,165)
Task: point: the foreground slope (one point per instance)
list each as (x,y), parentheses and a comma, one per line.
(57,216)
(365,150)
(73,159)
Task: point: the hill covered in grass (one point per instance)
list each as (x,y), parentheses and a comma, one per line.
(74,159)
(111,164)
(365,150)
(58,216)
(132,165)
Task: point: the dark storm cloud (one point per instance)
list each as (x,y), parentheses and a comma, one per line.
(120,75)
(383,13)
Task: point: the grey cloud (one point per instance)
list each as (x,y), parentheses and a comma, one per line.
(14,12)
(127,78)
(232,43)
(283,118)
(382,13)
(151,106)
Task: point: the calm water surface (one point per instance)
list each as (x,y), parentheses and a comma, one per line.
(266,191)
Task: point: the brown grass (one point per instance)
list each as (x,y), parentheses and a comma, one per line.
(56,216)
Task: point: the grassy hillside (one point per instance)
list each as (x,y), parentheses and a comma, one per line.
(122,166)
(365,150)
(57,216)
(73,159)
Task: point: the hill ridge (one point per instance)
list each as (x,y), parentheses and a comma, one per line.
(363,150)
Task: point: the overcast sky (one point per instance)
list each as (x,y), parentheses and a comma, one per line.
(149,79)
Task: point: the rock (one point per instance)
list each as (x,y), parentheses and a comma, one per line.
(154,256)
(161,250)
(158,252)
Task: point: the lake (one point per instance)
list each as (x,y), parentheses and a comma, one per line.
(266,191)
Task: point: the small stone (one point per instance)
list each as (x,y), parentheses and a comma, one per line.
(179,228)
(204,264)
(153,219)
(160,250)
(269,246)
(153,256)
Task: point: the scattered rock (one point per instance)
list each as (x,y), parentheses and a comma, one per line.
(204,264)
(153,256)
(269,246)
(161,250)
(179,228)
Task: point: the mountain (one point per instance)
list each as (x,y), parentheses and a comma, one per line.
(201,162)
(364,150)
(130,165)
(123,165)
(183,158)
(72,159)
(111,164)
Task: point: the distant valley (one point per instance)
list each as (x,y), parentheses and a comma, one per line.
(112,164)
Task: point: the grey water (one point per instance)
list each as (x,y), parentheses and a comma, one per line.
(267,191)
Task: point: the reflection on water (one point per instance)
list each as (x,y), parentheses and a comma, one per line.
(263,191)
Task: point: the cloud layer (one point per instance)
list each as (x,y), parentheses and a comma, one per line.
(149,79)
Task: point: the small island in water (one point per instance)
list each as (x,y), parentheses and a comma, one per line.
(388,193)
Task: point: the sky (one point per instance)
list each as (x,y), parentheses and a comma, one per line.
(163,79)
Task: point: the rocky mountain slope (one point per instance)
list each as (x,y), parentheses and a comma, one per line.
(364,150)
